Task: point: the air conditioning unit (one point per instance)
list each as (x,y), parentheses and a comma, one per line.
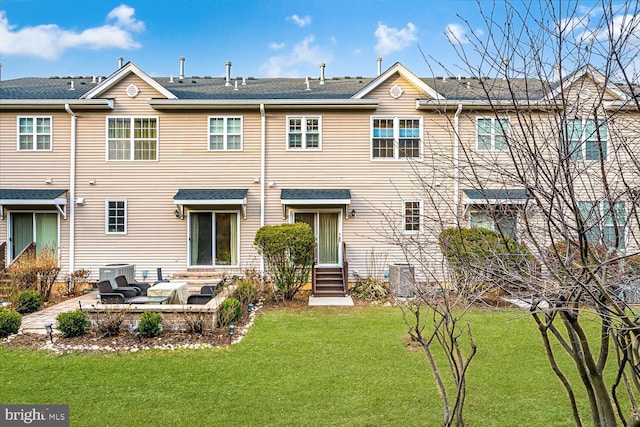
(111,271)
(401,280)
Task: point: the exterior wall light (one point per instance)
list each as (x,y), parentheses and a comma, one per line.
(352,213)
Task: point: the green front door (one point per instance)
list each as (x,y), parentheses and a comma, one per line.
(28,227)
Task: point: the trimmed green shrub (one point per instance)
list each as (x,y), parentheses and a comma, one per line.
(72,323)
(480,258)
(150,324)
(28,302)
(10,322)
(229,311)
(288,255)
(246,293)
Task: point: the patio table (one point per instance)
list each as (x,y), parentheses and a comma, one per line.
(177,291)
(150,300)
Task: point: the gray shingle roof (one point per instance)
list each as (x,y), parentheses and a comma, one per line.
(268,88)
(213,88)
(16,194)
(210,194)
(501,194)
(315,194)
(45,88)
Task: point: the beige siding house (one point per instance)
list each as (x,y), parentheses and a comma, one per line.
(180,173)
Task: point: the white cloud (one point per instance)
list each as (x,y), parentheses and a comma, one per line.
(276,46)
(303,53)
(301,21)
(49,41)
(392,39)
(456,34)
(123,16)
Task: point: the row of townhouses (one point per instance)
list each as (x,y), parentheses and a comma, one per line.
(180,172)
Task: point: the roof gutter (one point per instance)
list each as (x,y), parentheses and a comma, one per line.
(72,189)
(436,104)
(56,104)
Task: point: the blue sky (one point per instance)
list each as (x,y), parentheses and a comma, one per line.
(262,38)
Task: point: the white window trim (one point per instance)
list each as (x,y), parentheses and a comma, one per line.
(225,134)
(583,139)
(34,134)
(214,211)
(106,217)
(493,134)
(132,139)
(404,217)
(396,139)
(304,133)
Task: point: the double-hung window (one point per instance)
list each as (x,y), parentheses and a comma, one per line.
(412,216)
(132,138)
(304,133)
(586,139)
(34,133)
(492,134)
(395,138)
(225,133)
(116,216)
(604,223)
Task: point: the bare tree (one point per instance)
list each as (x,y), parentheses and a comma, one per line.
(543,148)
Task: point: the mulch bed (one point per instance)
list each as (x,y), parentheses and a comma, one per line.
(168,340)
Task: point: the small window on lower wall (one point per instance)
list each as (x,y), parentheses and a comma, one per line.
(503,221)
(116,217)
(412,216)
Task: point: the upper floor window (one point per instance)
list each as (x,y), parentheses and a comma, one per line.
(132,138)
(303,133)
(396,138)
(604,223)
(412,216)
(492,134)
(116,216)
(587,139)
(225,133)
(34,133)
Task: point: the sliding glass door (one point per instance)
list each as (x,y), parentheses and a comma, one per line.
(28,227)
(327,229)
(213,238)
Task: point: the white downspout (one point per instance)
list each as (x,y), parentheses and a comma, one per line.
(72,190)
(456,167)
(263,174)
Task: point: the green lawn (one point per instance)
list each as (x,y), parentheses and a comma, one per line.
(322,366)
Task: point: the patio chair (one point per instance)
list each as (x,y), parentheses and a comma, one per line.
(199,298)
(121,282)
(109,295)
(208,289)
(160,279)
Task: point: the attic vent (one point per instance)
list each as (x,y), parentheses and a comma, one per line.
(72,87)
